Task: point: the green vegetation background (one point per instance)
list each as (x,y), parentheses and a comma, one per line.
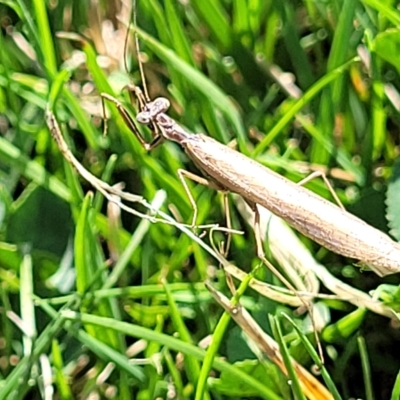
(281,80)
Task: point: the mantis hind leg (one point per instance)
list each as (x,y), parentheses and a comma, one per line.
(212,185)
(317,174)
(261,255)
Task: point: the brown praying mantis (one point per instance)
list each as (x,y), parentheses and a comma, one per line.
(228,170)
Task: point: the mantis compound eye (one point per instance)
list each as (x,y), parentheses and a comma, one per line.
(144,117)
(160,105)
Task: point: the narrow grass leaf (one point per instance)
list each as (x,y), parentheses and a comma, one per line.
(108,354)
(316,358)
(191,364)
(45,36)
(179,38)
(345,327)
(28,317)
(83,248)
(61,380)
(386,10)
(295,51)
(313,91)
(294,382)
(396,388)
(216,19)
(366,368)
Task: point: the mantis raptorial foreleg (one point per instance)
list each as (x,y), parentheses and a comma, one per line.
(130,123)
